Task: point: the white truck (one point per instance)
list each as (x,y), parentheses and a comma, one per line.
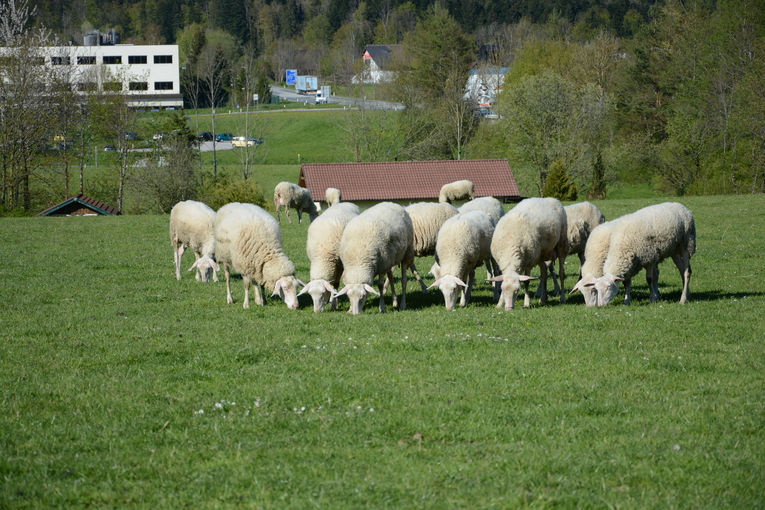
(323,93)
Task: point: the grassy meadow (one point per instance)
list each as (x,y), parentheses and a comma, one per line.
(122,387)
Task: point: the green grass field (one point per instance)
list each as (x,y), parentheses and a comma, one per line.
(122,387)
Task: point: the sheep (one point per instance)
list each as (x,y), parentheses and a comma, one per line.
(581,218)
(332,196)
(248,240)
(191,225)
(493,208)
(373,243)
(289,195)
(464,242)
(322,249)
(427,218)
(531,233)
(595,253)
(642,240)
(457,190)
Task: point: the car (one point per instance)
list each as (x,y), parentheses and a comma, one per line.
(159,136)
(205,136)
(224,137)
(245,141)
(110,148)
(131,135)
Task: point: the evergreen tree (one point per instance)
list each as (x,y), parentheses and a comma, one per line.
(558,184)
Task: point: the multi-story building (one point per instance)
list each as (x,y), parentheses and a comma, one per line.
(148,74)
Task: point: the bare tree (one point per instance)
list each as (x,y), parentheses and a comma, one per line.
(213,71)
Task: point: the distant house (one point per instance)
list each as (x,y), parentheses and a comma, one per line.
(408,181)
(378,63)
(484,85)
(80,205)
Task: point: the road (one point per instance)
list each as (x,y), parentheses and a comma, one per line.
(370,104)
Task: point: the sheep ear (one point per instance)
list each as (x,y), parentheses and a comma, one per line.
(525,278)
(460,282)
(369,288)
(582,284)
(215,266)
(342,291)
(300,282)
(496,278)
(328,286)
(618,279)
(303,290)
(277,287)
(435,284)
(194,265)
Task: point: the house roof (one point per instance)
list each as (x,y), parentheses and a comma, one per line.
(407,180)
(79,202)
(382,53)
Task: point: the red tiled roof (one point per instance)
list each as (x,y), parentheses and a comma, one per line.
(407,180)
(76,202)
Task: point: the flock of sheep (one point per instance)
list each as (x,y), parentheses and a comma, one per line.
(347,244)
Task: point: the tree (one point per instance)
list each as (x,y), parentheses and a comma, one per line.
(558,184)
(213,70)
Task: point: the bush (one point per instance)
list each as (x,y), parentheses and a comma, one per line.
(558,184)
(227,189)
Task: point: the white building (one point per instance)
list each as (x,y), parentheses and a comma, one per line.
(149,74)
(484,84)
(378,62)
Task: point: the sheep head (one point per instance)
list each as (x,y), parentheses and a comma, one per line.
(511,285)
(450,288)
(286,288)
(321,292)
(357,294)
(205,265)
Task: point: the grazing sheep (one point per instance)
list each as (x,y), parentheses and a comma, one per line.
(332,196)
(581,218)
(191,225)
(427,218)
(289,195)
(322,248)
(457,190)
(595,253)
(464,242)
(531,233)
(642,240)
(248,240)
(373,243)
(493,208)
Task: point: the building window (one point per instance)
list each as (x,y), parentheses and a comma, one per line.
(163,59)
(112,59)
(60,61)
(86,61)
(87,86)
(136,59)
(138,85)
(113,86)
(163,85)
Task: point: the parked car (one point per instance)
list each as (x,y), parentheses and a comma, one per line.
(159,136)
(224,137)
(205,136)
(245,141)
(131,135)
(110,148)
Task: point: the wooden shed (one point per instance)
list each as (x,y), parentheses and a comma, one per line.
(80,205)
(408,181)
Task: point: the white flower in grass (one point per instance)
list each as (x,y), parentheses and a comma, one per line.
(201,411)
(676,447)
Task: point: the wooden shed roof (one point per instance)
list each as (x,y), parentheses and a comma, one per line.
(77,205)
(408,180)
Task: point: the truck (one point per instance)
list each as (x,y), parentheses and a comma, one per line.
(322,95)
(306,84)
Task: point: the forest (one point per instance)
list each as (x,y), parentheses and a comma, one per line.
(667,93)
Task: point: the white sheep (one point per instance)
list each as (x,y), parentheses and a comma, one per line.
(332,196)
(533,232)
(322,248)
(457,190)
(581,219)
(464,242)
(248,240)
(191,225)
(642,240)
(372,244)
(595,253)
(493,208)
(427,218)
(289,195)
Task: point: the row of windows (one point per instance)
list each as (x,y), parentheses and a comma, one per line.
(111,59)
(115,86)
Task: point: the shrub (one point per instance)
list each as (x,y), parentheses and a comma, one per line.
(558,184)
(227,189)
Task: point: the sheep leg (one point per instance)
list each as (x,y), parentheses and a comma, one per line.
(287,213)
(542,282)
(403,287)
(246,280)
(259,295)
(392,288)
(526,295)
(178,254)
(198,272)
(278,208)
(627,286)
(465,298)
(683,263)
(497,286)
(652,279)
(562,277)
(229,299)
(581,263)
(300,215)
(381,285)
(418,277)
